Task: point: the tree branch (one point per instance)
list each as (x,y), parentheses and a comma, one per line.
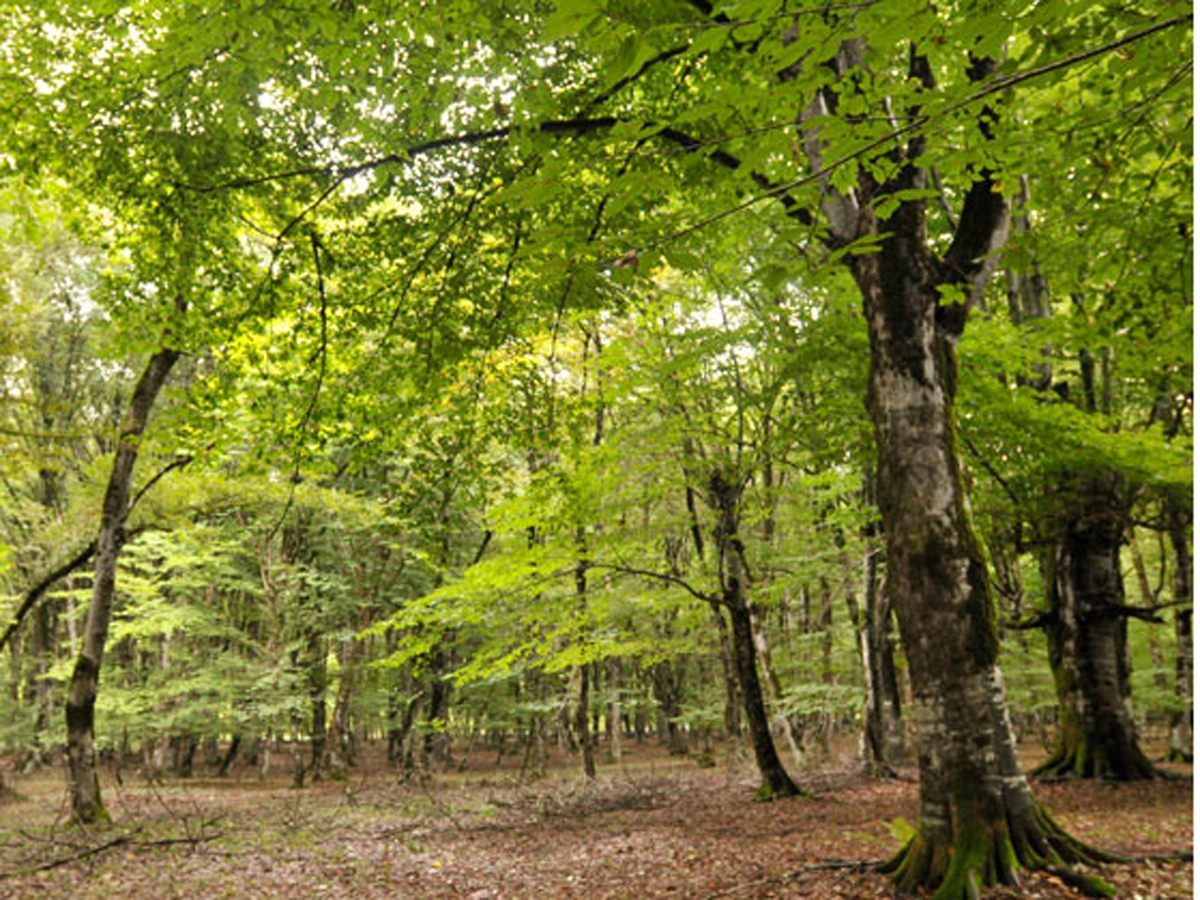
(34,594)
(658,576)
(958,259)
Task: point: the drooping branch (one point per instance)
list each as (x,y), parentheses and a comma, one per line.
(35,593)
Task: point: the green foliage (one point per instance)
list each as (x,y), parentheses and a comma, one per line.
(472,318)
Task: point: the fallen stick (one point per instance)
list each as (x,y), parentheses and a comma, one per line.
(121,841)
(75,857)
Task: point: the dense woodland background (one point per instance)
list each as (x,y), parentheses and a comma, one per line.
(496,377)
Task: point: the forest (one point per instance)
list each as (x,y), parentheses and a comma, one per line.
(596,448)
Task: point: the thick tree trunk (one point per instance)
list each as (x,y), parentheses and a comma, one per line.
(979,822)
(1087,639)
(726,496)
(83,779)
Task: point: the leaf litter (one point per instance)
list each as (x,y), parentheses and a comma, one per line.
(662,830)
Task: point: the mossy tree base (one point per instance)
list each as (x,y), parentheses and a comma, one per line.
(982,855)
(1084,761)
(91,814)
(778,791)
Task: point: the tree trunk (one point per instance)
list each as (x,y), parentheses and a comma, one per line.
(1178,523)
(317,684)
(231,753)
(978,819)
(614,724)
(586,744)
(783,722)
(1087,639)
(881,741)
(343,749)
(668,683)
(83,779)
(436,744)
(726,497)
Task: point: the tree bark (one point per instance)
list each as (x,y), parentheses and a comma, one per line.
(235,744)
(979,822)
(83,779)
(1179,520)
(881,741)
(343,746)
(726,497)
(667,681)
(1087,635)
(317,683)
(586,742)
(436,745)
(614,724)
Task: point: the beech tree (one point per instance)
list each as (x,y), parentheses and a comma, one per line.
(1078,373)
(486,173)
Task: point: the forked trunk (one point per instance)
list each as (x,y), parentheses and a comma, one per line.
(979,822)
(83,779)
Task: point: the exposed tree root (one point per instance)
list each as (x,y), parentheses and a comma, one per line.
(985,854)
(1081,761)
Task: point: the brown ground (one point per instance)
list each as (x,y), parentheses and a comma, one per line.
(655,827)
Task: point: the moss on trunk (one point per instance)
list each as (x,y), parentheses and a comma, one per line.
(1087,635)
(984,854)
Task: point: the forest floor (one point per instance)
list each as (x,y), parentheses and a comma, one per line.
(652,827)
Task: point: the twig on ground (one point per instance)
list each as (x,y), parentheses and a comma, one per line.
(123,840)
(75,857)
(1180,856)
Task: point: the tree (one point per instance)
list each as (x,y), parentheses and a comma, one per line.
(517,180)
(1071,361)
(979,821)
